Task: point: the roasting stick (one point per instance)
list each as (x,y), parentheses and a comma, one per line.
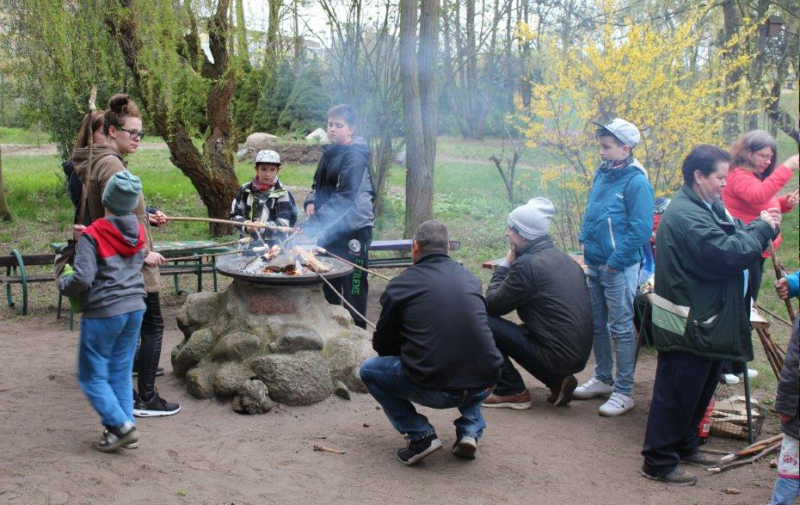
(779,273)
(243,241)
(341,296)
(284,229)
(325,251)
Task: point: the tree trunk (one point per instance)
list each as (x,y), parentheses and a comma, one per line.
(419,198)
(241,34)
(428,51)
(212,172)
(733,23)
(5,213)
(273,27)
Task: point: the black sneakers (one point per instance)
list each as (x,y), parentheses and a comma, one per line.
(465,448)
(419,450)
(115,438)
(677,477)
(129,445)
(155,407)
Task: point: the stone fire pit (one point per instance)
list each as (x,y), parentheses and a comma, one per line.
(265,339)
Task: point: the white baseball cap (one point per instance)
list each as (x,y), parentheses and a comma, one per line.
(268,156)
(623,130)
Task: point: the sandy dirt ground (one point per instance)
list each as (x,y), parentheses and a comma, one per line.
(207,454)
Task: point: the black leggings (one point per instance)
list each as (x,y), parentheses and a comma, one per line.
(354,287)
(149,347)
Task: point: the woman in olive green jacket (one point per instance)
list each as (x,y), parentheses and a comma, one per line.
(701,309)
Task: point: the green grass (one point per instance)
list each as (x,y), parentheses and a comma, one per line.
(21,136)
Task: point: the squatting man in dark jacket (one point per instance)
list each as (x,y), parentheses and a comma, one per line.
(549,292)
(434,348)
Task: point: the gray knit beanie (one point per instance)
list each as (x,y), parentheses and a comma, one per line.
(533,219)
(122,193)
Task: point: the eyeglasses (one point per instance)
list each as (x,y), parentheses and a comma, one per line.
(135,134)
(765,157)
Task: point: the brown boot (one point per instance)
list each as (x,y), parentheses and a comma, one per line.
(519,401)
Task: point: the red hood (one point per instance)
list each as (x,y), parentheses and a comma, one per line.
(111,242)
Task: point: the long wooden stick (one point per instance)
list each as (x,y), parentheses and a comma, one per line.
(199,256)
(341,296)
(741,462)
(775,316)
(779,274)
(367,270)
(284,229)
(751,448)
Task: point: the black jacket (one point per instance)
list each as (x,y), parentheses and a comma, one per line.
(434,318)
(787,399)
(548,290)
(342,193)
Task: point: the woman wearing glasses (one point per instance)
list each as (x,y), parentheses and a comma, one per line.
(122,127)
(753,185)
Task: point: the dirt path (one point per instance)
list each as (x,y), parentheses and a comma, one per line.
(209,455)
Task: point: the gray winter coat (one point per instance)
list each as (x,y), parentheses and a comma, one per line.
(108,263)
(787,399)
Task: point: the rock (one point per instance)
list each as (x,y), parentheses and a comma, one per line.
(230,377)
(199,381)
(189,352)
(253,398)
(197,311)
(258,141)
(342,316)
(318,135)
(340,390)
(242,154)
(344,358)
(302,378)
(236,347)
(294,339)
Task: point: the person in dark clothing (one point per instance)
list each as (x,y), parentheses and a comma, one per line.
(549,292)
(340,207)
(701,310)
(434,348)
(787,485)
(264,200)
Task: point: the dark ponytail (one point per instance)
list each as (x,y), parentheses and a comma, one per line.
(120,106)
(90,124)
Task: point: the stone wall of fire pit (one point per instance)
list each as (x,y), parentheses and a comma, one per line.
(286,337)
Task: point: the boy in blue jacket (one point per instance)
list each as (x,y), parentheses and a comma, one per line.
(616,228)
(108,283)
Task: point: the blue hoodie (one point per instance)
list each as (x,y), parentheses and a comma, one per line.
(619,217)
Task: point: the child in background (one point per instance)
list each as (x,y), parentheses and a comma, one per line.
(787,485)
(264,200)
(108,282)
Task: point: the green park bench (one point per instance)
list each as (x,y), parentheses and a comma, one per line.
(379,250)
(16,265)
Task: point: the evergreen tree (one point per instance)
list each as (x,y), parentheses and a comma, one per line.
(277,87)
(307,107)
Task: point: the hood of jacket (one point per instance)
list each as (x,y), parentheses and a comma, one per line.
(358,145)
(114,235)
(80,158)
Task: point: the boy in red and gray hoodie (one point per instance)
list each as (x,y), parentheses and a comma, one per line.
(108,284)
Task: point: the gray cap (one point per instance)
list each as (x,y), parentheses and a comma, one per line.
(623,130)
(121,194)
(533,219)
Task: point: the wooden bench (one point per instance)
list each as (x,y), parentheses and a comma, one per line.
(17,273)
(402,247)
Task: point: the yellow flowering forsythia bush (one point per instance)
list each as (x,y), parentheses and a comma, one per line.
(637,73)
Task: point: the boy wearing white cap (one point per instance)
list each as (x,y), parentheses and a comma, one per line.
(548,291)
(264,200)
(616,229)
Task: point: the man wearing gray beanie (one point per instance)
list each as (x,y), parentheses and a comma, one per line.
(548,290)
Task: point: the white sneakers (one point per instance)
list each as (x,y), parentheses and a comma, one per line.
(731,379)
(591,389)
(617,405)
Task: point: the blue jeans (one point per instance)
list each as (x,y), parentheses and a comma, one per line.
(386,382)
(105,365)
(612,297)
(785,492)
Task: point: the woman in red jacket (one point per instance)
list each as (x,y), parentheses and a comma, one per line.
(753,185)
